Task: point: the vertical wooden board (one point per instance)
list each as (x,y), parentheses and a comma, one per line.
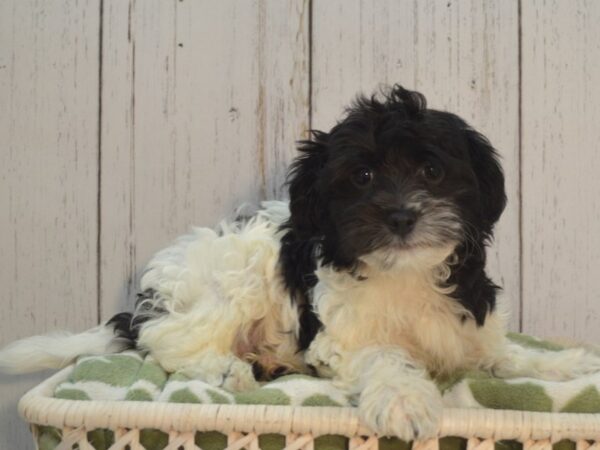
(561,160)
(284,89)
(211,112)
(48,179)
(462,55)
(117,241)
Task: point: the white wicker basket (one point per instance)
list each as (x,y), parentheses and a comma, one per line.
(300,425)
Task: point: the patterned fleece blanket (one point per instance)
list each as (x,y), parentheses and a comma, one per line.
(132,376)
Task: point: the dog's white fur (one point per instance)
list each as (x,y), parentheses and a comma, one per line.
(56,350)
(224,297)
(387,329)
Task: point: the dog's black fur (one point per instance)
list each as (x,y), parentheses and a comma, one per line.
(339,221)
(127,325)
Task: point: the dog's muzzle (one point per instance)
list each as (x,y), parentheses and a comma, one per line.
(402,221)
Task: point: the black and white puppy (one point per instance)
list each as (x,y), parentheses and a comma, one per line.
(373,274)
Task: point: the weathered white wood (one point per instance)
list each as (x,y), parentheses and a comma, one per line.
(198,117)
(561,162)
(284,75)
(117,268)
(48,179)
(463,55)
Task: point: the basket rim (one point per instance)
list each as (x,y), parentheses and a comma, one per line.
(38,407)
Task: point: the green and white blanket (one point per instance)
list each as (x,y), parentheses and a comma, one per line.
(131,376)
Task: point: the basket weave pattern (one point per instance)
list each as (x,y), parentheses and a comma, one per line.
(243,424)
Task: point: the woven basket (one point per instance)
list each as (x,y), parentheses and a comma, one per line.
(243,424)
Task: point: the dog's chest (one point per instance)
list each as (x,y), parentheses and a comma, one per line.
(404,310)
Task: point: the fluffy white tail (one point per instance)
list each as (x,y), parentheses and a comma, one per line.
(57,350)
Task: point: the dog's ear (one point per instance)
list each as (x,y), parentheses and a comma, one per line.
(485,163)
(303,181)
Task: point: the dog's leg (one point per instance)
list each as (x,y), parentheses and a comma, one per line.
(395,397)
(225,371)
(517,361)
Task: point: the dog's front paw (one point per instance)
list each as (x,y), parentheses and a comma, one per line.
(324,355)
(411,410)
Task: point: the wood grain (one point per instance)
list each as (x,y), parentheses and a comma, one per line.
(561,161)
(48,179)
(463,55)
(284,71)
(201,103)
(198,118)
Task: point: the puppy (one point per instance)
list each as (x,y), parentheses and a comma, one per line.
(373,274)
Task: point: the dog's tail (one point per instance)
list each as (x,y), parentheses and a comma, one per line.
(57,350)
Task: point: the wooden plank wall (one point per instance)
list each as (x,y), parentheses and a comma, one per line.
(48,180)
(560,165)
(197,119)
(125,122)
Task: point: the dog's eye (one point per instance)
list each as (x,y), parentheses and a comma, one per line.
(432,172)
(362,176)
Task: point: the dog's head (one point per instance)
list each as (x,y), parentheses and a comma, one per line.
(394,178)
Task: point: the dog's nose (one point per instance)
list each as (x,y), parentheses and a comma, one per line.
(402,221)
